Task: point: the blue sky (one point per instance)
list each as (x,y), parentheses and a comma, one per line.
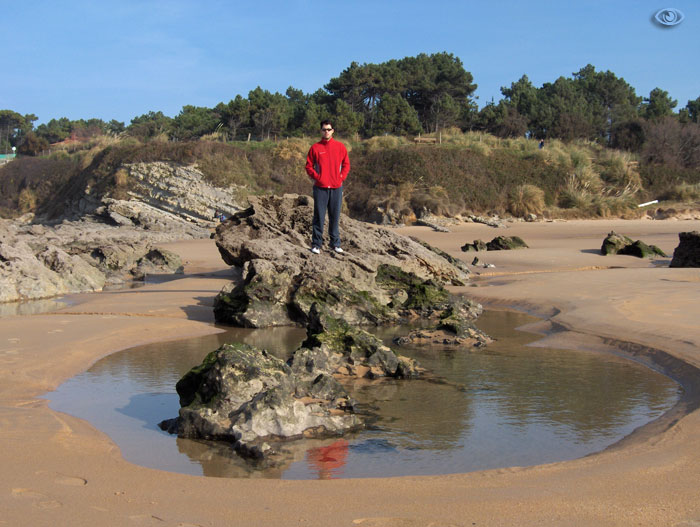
(120,59)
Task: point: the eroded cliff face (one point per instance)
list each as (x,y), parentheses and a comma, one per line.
(178,191)
(149,195)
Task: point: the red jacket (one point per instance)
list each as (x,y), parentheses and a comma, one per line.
(328,163)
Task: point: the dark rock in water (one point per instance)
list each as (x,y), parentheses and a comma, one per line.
(687,254)
(454,328)
(421,296)
(281,278)
(478,245)
(256,401)
(333,346)
(620,244)
(246,396)
(506,243)
(470,338)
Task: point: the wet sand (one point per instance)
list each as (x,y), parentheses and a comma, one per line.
(58,470)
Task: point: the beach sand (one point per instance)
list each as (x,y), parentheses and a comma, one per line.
(58,470)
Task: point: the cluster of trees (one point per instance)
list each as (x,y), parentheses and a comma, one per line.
(407,96)
(593,105)
(18,130)
(425,93)
(13,129)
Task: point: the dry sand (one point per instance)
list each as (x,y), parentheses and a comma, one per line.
(58,470)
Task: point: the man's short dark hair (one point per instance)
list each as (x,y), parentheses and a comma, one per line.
(326,122)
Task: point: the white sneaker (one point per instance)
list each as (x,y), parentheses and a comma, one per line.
(338,250)
(316,250)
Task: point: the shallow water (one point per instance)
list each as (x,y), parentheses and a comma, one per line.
(503,405)
(33,307)
(49,305)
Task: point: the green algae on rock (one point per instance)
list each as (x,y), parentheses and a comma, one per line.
(499,243)
(620,244)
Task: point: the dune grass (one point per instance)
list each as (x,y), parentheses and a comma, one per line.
(461,172)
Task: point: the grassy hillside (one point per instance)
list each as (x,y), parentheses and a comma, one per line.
(461,172)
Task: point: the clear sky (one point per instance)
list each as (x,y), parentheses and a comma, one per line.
(118,59)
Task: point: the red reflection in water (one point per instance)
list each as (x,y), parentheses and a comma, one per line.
(329,460)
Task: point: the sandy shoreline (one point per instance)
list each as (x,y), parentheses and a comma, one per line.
(58,470)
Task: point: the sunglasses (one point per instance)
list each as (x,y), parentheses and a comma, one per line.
(326,129)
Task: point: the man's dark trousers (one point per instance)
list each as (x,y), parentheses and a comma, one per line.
(330,199)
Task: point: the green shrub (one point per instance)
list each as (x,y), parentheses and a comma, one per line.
(575,194)
(683,192)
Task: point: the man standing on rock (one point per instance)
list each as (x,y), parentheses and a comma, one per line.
(328,165)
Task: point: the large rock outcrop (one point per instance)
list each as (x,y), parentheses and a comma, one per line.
(380,277)
(687,254)
(157,196)
(41,262)
(87,239)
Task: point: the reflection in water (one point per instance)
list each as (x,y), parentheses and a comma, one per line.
(503,405)
(328,461)
(32,307)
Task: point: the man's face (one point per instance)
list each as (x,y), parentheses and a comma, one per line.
(326,131)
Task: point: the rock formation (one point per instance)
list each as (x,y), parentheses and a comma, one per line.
(454,328)
(687,254)
(620,244)
(41,262)
(499,243)
(89,239)
(380,277)
(257,402)
(154,196)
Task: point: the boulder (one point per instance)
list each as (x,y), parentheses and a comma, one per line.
(432,224)
(76,273)
(335,347)
(687,254)
(132,213)
(478,245)
(613,243)
(90,239)
(506,243)
(620,244)
(258,402)
(641,250)
(454,328)
(252,399)
(499,243)
(281,278)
